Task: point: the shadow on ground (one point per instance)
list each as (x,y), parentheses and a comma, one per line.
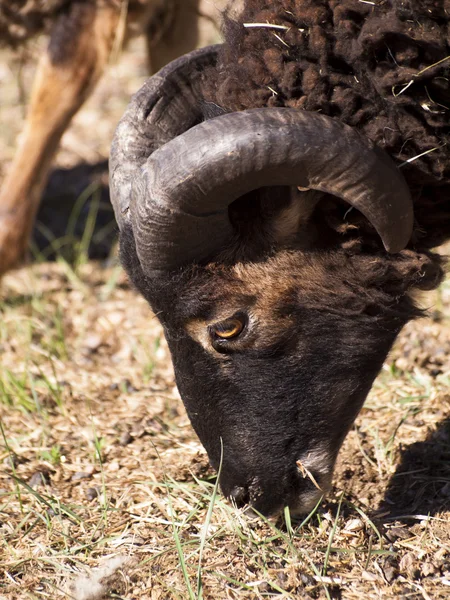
(76,214)
(421,483)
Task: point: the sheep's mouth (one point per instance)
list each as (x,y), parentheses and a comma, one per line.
(301,497)
(307,501)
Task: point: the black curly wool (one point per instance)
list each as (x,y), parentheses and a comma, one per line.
(382,67)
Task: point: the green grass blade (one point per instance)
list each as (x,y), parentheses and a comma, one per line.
(206,526)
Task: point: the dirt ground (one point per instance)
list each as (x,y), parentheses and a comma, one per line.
(105,492)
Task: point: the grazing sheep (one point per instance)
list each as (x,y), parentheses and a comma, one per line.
(83,35)
(233,176)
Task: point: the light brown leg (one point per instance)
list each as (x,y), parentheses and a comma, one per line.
(193,23)
(79,48)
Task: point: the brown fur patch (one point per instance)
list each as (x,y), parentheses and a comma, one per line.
(258,289)
(291,219)
(270,292)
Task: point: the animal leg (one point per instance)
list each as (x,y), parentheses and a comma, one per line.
(80,45)
(182,26)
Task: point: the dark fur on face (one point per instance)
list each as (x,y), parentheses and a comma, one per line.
(320,324)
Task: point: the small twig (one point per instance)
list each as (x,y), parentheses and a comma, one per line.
(265,25)
(433,65)
(415,517)
(119,38)
(369,553)
(403,90)
(414,77)
(307,473)
(417,586)
(410,160)
(329,580)
(281,40)
(434,102)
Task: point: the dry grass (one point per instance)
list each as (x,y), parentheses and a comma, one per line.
(105,492)
(99,462)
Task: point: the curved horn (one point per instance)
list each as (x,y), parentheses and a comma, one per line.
(167,105)
(179,206)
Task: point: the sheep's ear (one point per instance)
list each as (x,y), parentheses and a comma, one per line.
(400,273)
(420,270)
(291,221)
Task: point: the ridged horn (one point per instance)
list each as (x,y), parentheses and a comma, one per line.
(179,201)
(166,106)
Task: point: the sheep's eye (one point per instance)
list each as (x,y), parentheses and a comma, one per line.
(228,329)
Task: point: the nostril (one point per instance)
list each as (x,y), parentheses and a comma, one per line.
(239,495)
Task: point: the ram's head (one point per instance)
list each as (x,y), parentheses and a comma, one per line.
(277,311)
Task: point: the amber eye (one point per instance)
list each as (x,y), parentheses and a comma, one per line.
(228,329)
